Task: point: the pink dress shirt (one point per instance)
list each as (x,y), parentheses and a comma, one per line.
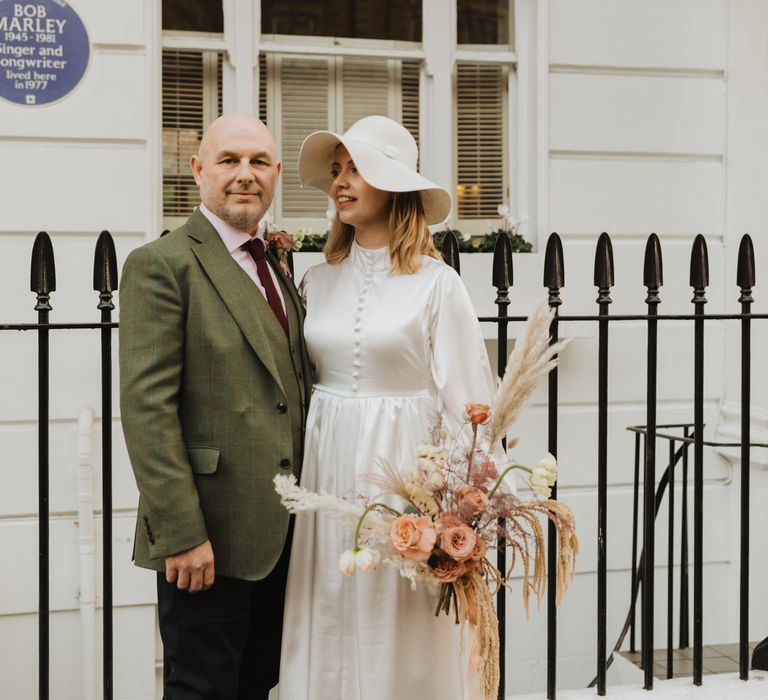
(233,239)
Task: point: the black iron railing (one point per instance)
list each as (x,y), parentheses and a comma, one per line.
(642,580)
(554,281)
(42,284)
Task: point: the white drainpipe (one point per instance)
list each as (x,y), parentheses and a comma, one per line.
(87,548)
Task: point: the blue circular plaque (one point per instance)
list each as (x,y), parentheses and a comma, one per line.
(44,50)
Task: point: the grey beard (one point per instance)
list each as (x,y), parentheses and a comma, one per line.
(244,220)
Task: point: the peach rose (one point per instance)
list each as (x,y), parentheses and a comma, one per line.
(280,240)
(448,518)
(471,500)
(479,551)
(458,542)
(413,537)
(447,569)
(477,413)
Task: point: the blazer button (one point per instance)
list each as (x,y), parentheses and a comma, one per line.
(285,463)
(281,407)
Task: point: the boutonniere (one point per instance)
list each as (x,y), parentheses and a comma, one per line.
(281,243)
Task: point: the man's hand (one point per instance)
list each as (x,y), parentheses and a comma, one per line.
(191,569)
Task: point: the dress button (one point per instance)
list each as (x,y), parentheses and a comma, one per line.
(356,374)
(281,407)
(285,463)
(355,387)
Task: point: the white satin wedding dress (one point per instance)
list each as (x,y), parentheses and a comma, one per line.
(388,351)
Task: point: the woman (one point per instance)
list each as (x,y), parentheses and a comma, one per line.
(394,340)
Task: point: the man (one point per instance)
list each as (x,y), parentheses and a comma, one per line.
(214,387)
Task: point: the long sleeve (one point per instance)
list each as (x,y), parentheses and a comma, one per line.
(151,366)
(460,367)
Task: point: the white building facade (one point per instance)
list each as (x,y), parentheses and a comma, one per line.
(582,115)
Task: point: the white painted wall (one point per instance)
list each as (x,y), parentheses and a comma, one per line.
(73,168)
(646,116)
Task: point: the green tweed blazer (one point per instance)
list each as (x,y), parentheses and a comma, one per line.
(213,398)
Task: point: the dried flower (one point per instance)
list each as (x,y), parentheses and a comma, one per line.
(544,475)
(430,466)
(421,497)
(477,413)
(483,473)
(532,358)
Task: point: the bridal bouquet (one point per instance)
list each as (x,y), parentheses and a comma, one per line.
(450,506)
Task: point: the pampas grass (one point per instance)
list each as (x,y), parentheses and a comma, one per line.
(532,358)
(297,499)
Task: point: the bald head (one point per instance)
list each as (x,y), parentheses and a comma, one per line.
(236,169)
(236,122)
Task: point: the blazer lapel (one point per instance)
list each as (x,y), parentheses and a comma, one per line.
(235,289)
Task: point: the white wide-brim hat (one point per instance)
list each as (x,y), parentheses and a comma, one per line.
(385,155)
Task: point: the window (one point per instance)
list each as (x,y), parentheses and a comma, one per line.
(483,22)
(193,16)
(360,19)
(305,94)
(480,139)
(191,100)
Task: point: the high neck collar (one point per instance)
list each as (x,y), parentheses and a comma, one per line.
(374,259)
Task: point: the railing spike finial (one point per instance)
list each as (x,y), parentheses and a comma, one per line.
(449,249)
(554,269)
(502,263)
(604,277)
(653,274)
(105,269)
(43,272)
(745,270)
(699,278)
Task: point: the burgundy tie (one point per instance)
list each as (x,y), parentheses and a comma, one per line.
(256,248)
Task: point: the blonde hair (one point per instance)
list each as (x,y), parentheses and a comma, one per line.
(409,237)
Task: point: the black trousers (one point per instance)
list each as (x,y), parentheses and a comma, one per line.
(223,643)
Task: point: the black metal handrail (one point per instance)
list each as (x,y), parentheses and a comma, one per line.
(667,481)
